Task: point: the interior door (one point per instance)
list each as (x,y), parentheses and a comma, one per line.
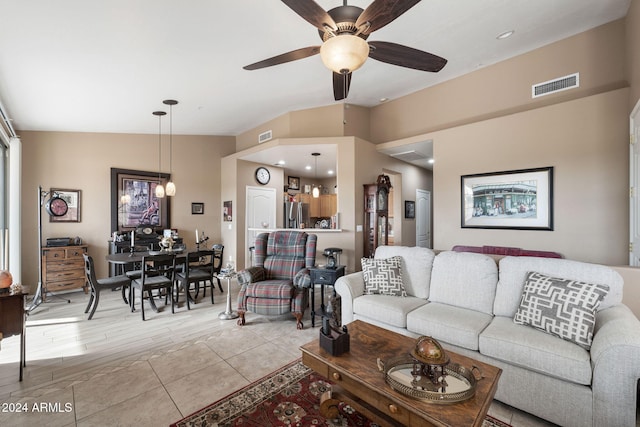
(423,218)
(634,188)
(260,215)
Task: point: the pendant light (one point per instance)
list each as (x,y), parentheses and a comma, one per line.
(316,190)
(159,187)
(171,187)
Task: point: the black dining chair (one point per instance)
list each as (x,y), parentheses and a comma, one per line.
(198,270)
(96,285)
(158,274)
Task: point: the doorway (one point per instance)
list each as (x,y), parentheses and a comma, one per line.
(260,215)
(423,218)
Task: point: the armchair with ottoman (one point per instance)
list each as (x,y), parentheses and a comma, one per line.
(279,280)
(569,349)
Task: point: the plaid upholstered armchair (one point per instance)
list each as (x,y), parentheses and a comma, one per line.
(279,280)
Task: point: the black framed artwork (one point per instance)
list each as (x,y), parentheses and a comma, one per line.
(409,209)
(134,202)
(517,199)
(197,208)
(294,183)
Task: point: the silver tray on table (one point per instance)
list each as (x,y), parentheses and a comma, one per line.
(460,381)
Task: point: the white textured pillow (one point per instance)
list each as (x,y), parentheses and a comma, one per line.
(562,307)
(383,276)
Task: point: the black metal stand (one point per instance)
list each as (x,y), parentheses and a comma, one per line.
(39,297)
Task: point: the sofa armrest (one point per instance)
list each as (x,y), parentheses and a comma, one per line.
(302,279)
(349,287)
(615,359)
(251,275)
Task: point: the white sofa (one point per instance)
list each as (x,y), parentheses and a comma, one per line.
(467,301)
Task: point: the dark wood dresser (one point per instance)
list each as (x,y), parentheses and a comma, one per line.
(12,320)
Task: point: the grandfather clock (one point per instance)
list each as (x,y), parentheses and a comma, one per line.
(376,214)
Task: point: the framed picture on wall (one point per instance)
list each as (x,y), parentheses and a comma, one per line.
(197,208)
(409,209)
(134,202)
(73,199)
(516,200)
(294,183)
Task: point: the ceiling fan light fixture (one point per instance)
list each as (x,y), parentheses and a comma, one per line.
(344,53)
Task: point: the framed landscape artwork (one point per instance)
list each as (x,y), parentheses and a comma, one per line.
(517,200)
(134,202)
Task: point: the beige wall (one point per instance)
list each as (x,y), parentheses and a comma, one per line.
(632,27)
(83,161)
(584,140)
(505,88)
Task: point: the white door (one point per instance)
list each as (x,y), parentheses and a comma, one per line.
(261,213)
(634,190)
(423,218)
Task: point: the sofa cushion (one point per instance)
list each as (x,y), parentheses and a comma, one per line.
(513,272)
(535,350)
(382,276)
(454,325)
(416,267)
(465,280)
(387,309)
(561,307)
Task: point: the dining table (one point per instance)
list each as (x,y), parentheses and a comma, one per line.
(132,259)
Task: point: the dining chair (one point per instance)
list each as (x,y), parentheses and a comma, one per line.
(96,285)
(158,274)
(198,270)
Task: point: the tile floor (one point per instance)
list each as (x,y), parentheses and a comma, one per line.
(118,370)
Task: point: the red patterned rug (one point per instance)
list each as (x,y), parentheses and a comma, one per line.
(289,396)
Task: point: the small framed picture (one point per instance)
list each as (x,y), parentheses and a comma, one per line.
(73,199)
(197,208)
(294,183)
(409,209)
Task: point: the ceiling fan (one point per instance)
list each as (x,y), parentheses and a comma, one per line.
(344,31)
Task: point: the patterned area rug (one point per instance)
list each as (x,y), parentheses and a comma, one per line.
(289,396)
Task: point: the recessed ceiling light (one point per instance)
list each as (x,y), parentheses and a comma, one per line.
(330,172)
(308,167)
(505,35)
(383,99)
(281,162)
(431,161)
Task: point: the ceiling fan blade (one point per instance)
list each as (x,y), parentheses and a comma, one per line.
(294,55)
(404,56)
(341,83)
(381,12)
(312,13)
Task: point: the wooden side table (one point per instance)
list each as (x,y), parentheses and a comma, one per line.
(322,276)
(12,320)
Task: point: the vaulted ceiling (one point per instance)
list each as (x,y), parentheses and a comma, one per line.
(78,65)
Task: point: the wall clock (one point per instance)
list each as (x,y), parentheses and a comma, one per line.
(263,176)
(56,206)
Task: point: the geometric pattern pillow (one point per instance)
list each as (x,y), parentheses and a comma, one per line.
(561,307)
(383,276)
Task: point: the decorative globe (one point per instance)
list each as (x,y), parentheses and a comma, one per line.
(6,279)
(429,351)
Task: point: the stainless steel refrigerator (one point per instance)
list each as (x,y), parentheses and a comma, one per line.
(295,214)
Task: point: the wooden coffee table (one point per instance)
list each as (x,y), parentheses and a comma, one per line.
(358,381)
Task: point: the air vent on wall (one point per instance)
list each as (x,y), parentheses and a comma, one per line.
(265,136)
(409,156)
(555,85)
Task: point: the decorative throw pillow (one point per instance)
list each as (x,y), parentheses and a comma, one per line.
(383,276)
(562,307)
